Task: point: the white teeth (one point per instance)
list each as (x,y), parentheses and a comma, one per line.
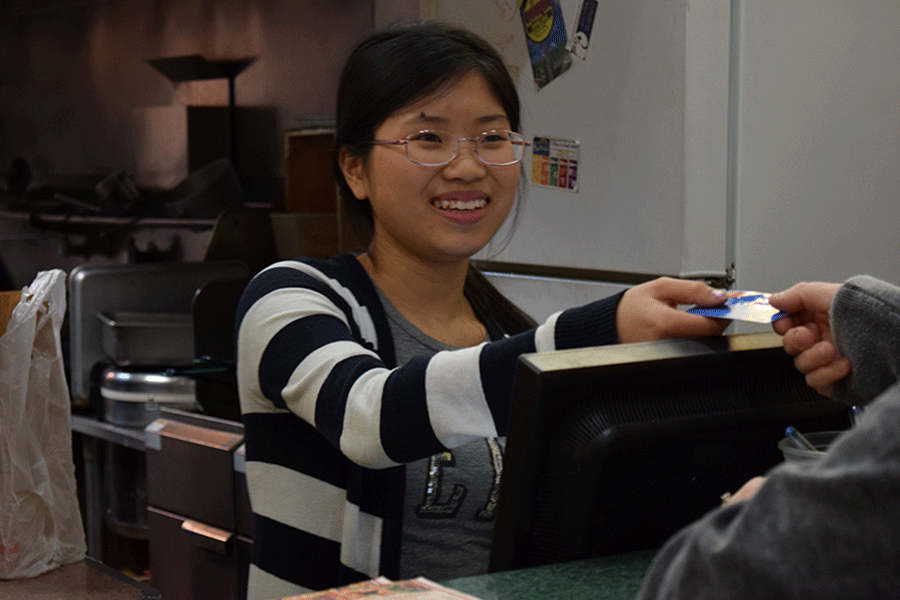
(460,204)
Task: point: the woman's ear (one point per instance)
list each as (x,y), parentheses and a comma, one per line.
(353,168)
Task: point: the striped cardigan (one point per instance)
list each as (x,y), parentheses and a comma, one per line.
(330,419)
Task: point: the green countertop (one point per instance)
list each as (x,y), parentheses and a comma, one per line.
(606,578)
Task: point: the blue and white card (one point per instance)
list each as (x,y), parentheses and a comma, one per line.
(742,306)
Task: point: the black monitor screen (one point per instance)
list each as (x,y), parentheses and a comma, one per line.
(615,448)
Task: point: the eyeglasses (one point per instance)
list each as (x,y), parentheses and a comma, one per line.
(432,148)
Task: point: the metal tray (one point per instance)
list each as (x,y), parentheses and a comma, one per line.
(152,287)
(136,338)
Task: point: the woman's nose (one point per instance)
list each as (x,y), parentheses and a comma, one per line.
(466,161)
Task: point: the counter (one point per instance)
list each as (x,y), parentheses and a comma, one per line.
(95,431)
(130,437)
(606,578)
(191,484)
(83,580)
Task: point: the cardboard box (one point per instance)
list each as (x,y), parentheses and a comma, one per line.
(8,301)
(315,235)
(309,180)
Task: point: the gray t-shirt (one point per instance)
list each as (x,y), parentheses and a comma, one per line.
(451,498)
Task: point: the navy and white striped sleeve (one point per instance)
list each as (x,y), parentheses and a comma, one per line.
(306,345)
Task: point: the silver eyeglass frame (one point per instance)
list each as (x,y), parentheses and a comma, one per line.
(405,142)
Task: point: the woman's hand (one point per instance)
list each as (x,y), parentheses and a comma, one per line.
(807,333)
(650,311)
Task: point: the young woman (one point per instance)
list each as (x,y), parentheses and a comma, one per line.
(375,388)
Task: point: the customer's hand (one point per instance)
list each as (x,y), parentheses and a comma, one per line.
(649,311)
(747,491)
(807,333)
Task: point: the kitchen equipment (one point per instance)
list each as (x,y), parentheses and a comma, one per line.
(152,288)
(125,491)
(207,192)
(196,68)
(132,397)
(214,308)
(147,338)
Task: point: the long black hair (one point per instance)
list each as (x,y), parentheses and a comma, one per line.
(395,68)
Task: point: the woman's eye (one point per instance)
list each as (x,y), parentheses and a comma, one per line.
(494,138)
(427,137)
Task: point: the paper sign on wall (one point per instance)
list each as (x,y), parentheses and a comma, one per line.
(581,39)
(554,163)
(545,34)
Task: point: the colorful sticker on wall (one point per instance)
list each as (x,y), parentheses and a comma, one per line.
(545,33)
(554,163)
(581,39)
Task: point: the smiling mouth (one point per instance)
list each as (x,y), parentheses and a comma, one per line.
(461,205)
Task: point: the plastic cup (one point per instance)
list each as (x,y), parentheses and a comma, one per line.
(820,439)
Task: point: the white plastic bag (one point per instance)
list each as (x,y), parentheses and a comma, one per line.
(40,523)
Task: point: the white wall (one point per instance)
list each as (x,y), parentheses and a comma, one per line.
(540,297)
(818,141)
(770,137)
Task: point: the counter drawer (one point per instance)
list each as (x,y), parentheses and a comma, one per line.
(190,560)
(190,468)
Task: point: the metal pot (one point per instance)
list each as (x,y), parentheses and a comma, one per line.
(132,396)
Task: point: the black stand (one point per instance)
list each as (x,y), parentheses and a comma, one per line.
(178,69)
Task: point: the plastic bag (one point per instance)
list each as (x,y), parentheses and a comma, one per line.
(40,522)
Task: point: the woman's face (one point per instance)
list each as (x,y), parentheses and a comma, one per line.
(444,213)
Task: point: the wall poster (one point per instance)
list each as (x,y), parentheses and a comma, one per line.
(554,163)
(545,33)
(581,39)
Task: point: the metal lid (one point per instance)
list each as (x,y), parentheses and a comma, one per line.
(140,384)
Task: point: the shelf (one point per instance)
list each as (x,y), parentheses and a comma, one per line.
(110,220)
(129,437)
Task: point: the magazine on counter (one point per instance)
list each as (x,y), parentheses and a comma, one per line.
(383,588)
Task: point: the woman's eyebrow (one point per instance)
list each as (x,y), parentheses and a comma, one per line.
(493,118)
(438,120)
(423,118)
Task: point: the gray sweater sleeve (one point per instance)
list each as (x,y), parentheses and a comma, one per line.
(826,529)
(865,320)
